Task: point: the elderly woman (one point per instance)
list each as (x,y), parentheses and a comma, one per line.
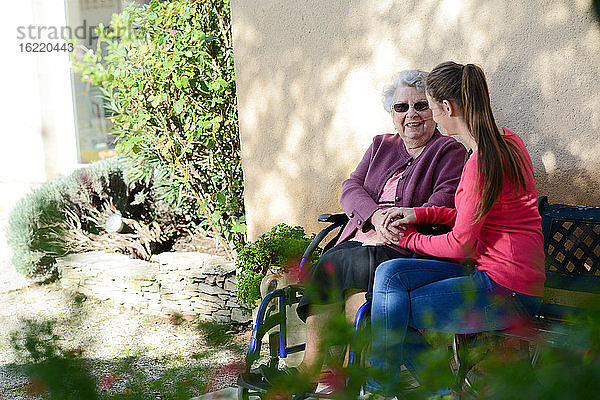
(417,166)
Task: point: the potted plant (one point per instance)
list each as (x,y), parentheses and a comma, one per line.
(273,254)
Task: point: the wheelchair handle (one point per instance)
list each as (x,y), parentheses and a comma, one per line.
(336,221)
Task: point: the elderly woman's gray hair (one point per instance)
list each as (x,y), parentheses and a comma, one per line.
(409,78)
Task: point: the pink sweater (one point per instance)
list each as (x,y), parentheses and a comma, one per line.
(507,244)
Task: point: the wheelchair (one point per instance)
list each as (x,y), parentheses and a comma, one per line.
(272,319)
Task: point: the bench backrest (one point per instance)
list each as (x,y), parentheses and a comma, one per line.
(572,246)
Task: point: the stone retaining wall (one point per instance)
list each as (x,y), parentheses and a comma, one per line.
(188,284)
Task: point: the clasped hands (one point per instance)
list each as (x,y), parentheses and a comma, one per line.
(390,223)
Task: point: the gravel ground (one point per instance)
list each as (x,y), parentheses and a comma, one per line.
(123,349)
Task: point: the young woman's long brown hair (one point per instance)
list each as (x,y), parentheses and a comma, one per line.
(466,85)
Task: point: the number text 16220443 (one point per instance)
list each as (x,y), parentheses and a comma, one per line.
(44,47)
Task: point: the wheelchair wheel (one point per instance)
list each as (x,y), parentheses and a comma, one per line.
(472,354)
(468,351)
(248,394)
(251,386)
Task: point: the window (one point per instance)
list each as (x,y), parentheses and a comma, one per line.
(93,128)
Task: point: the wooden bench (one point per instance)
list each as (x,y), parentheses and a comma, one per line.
(572,248)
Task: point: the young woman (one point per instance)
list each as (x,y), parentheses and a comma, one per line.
(495,223)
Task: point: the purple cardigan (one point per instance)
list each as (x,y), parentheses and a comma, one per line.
(429,180)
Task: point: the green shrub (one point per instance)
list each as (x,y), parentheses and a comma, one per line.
(36,228)
(248,287)
(281,247)
(169,84)
(67,215)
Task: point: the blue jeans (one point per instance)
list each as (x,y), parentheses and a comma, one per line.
(412,294)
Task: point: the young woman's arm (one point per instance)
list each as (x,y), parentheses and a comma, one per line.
(458,244)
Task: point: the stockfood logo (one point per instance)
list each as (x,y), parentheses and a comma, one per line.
(48,38)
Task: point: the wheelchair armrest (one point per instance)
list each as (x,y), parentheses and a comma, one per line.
(336,220)
(333,218)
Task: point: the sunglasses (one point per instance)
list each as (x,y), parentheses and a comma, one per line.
(418,106)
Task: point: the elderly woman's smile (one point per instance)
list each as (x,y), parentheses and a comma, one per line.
(412,118)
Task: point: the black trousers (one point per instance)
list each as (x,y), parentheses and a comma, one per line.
(348,265)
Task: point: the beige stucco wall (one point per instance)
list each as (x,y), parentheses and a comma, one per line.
(310,74)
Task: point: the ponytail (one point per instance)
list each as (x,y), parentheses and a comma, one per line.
(466,84)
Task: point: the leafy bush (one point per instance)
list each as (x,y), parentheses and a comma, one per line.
(166,71)
(281,248)
(35,231)
(68,214)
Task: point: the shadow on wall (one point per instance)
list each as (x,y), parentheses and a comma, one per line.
(310,74)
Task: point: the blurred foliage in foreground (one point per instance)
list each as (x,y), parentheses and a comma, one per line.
(571,371)
(55,372)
